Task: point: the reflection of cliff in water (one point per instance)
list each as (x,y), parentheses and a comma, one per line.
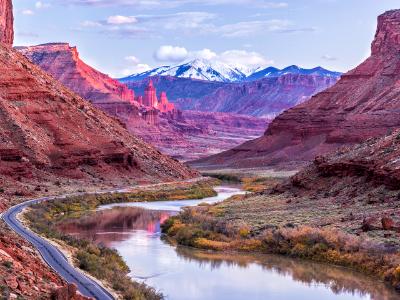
(337,279)
(114,224)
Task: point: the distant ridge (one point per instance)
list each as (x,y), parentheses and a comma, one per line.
(207,70)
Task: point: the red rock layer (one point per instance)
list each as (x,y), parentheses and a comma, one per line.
(6,22)
(63,63)
(364,103)
(44,127)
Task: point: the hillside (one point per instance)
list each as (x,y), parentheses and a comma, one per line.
(363,104)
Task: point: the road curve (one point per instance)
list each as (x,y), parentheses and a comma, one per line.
(54,257)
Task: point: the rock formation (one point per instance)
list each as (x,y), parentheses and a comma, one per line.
(6,22)
(150,96)
(261,98)
(164,105)
(152,106)
(63,62)
(363,104)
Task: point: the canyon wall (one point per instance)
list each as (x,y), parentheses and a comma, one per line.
(364,103)
(6,22)
(49,132)
(63,62)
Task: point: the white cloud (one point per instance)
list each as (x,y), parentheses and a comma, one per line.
(90,24)
(119,20)
(171,53)
(28,12)
(238,58)
(140,68)
(244,58)
(190,23)
(328,57)
(245,29)
(184,20)
(133,59)
(203,54)
(268,4)
(40,4)
(135,66)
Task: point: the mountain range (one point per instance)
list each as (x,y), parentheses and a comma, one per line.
(265,97)
(210,70)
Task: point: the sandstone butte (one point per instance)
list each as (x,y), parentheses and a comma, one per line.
(363,104)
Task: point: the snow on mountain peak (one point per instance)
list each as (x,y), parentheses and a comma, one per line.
(213,70)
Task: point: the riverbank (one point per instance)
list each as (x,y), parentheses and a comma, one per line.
(351,223)
(101,262)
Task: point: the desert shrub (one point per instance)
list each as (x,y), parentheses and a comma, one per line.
(8,264)
(244,232)
(224,177)
(204,243)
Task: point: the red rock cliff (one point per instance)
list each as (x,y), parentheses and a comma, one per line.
(364,103)
(63,62)
(47,130)
(6,22)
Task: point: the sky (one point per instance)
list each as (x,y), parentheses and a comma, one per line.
(122,37)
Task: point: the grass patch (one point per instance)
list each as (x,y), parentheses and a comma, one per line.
(250,183)
(232,178)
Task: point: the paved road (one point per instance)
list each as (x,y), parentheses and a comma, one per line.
(55,259)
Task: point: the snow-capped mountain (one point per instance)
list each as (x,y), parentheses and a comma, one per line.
(274,72)
(209,70)
(197,69)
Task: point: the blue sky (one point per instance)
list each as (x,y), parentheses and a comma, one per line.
(120,37)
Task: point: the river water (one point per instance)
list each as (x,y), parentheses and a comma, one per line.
(182,273)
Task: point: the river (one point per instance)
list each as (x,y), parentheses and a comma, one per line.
(182,273)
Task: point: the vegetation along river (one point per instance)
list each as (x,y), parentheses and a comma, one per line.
(182,273)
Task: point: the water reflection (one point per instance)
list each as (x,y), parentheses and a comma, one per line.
(116,225)
(186,274)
